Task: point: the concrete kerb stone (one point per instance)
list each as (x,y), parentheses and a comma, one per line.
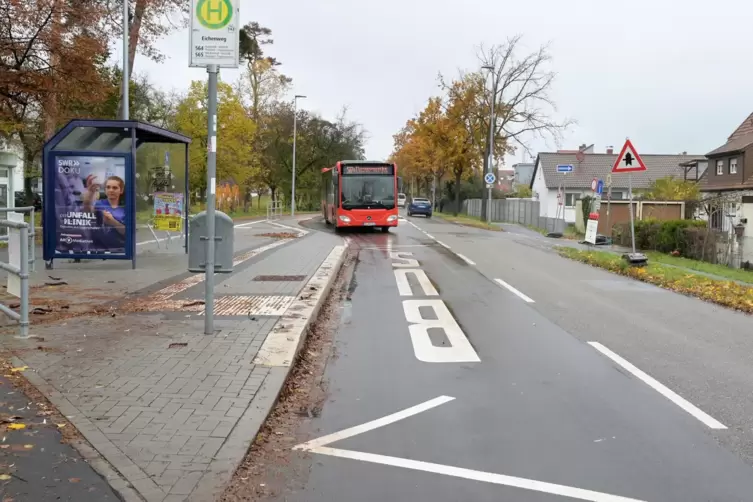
(233,451)
(92,454)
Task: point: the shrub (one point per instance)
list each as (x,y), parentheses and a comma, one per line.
(690,238)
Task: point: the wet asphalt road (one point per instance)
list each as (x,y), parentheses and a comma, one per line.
(539,416)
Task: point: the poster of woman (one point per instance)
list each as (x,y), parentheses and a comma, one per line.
(90,205)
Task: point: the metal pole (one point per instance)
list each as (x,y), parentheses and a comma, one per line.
(490,146)
(24,275)
(126,78)
(295,130)
(632,224)
(211,183)
(295,133)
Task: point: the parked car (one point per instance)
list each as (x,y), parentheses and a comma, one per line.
(36,200)
(401,200)
(419,205)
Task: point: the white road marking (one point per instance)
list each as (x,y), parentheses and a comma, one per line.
(403,286)
(281,345)
(294,229)
(444,245)
(460,349)
(240,225)
(409,262)
(374,424)
(319,446)
(513,290)
(660,388)
(466,259)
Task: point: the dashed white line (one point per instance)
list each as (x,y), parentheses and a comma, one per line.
(513,290)
(466,259)
(700,415)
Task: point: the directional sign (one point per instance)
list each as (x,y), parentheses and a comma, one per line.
(490,178)
(600,187)
(214,35)
(628,160)
(565,168)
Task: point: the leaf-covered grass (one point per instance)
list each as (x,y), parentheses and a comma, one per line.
(727,293)
(735,274)
(469,221)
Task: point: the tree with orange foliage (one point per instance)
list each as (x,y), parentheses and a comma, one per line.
(50,55)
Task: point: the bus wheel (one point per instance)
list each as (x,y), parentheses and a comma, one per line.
(385,229)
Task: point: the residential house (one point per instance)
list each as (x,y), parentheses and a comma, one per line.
(11,172)
(523,174)
(731,165)
(588,165)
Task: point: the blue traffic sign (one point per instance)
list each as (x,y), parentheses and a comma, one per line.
(489,178)
(600,187)
(565,168)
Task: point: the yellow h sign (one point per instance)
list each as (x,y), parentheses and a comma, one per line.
(214,14)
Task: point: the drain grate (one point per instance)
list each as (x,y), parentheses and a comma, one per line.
(251,305)
(279,278)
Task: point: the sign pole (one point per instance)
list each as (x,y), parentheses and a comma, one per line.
(632,223)
(212,70)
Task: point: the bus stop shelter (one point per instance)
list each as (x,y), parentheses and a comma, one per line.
(96,178)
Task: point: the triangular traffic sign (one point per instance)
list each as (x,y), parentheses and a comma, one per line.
(628,161)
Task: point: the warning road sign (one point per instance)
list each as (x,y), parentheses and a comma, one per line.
(628,161)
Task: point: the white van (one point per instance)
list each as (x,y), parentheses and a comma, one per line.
(401,200)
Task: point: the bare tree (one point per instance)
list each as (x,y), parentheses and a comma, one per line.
(523,106)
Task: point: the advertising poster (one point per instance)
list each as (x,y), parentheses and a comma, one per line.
(168,211)
(90,205)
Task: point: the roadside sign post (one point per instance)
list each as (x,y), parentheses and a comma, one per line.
(592,225)
(564,169)
(609,202)
(628,161)
(489,178)
(213,44)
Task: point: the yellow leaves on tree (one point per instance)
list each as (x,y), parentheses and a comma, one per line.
(234,132)
(671,188)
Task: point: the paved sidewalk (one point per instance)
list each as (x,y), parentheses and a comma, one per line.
(172,410)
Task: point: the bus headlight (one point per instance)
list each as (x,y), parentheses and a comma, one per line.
(392,217)
(344,219)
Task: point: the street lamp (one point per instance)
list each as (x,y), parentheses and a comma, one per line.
(490,142)
(295,129)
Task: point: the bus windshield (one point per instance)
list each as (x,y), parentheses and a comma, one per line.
(368,192)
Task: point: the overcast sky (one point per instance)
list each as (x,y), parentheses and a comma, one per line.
(670,75)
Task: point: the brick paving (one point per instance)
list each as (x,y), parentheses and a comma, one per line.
(175,422)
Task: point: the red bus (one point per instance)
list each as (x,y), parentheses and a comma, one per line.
(360,193)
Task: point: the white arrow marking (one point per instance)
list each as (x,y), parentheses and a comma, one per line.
(320,446)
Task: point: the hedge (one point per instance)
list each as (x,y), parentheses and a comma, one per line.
(688,238)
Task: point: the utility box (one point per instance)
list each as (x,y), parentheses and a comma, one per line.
(223,245)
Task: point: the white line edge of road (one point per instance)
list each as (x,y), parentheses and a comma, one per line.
(696,412)
(282,344)
(319,446)
(466,259)
(239,225)
(511,289)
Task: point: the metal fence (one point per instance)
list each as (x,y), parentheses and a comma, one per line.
(22,272)
(521,211)
(274,210)
(32,234)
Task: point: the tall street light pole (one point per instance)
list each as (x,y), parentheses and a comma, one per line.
(490,141)
(295,130)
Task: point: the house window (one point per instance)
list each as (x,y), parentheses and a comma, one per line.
(719,167)
(616,195)
(733,166)
(570,199)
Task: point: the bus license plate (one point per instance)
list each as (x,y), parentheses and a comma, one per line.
(368,223)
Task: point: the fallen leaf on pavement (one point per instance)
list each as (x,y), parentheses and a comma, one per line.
(20,368)
(60,426)
(4,446)
(28,446)
(74,480)
(4,477)
(15,427)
